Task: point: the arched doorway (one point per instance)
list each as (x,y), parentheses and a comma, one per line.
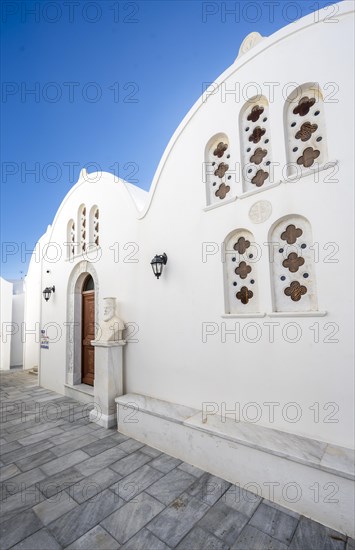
(78,283)
(88,331)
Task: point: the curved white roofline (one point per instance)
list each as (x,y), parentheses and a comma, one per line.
(252,45)
(244,57)
(137,195)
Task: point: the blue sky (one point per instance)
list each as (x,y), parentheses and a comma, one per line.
(110,83)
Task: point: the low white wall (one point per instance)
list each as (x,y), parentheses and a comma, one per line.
(18,304)
(6,320)
(32,308)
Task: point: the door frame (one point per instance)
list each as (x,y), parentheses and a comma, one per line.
(74,318)
(85,293)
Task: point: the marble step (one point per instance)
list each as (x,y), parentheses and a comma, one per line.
(310,452)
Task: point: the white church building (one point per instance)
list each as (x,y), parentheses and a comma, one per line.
(238,358)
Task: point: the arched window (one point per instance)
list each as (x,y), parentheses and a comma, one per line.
(218,164)
(82,228)
(88,284)
(241,283)
(94,226)
(305,129)
(292,265)
(255,143)
(71,239)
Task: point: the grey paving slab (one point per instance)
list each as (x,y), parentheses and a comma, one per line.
(95,539)
(119,438)
(64,462)
(241,500)
(99,445)
(8,447)
(196,472)
(143,540)
(277,524)
(98,462)
(134,515)
(51,509)
(35,460)
(198,539)
(169,487)
(173,523)
(36,438)
(150,451)
(130,446)
(282,509)
(224,522)
(84,517)
(53,485)
(101,433)
(164,463)
(9,471)
(21,481)
(12,504)
(313,534)
(17,528)
(73,445)
(130,486)
(41,427)
(14,436)
(253,539)
(190,509)
(129,463)
(21,423)
(208,488)
(70,434)
(90,487)
(41,540)
(22,452)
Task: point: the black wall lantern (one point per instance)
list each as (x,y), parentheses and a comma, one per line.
(157,264)
(47,292)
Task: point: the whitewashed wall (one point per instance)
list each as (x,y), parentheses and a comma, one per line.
(30,332)
(170,360)
(18,304)
(6,320)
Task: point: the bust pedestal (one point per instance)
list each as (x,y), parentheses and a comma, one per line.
(108,381)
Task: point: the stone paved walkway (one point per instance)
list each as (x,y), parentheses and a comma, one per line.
(67,483)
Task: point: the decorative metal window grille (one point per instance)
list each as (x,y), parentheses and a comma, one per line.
(241,255)
(305,129)
(95,226)
(292,265)
(82,221)
(218,161)
(255,143)
(71,239)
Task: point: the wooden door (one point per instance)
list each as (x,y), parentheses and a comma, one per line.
(88,334)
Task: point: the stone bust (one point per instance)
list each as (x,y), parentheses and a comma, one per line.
(111,326)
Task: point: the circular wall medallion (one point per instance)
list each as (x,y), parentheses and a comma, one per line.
(260,211)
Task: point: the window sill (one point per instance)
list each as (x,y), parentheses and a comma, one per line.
(241,315)
(295,177)
(260,190)
(83,256)
(275,314)
(312,170)
(297,314)
(218,204)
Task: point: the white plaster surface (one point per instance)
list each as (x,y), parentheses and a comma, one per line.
(167,356)
(6,323)
(18,303)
